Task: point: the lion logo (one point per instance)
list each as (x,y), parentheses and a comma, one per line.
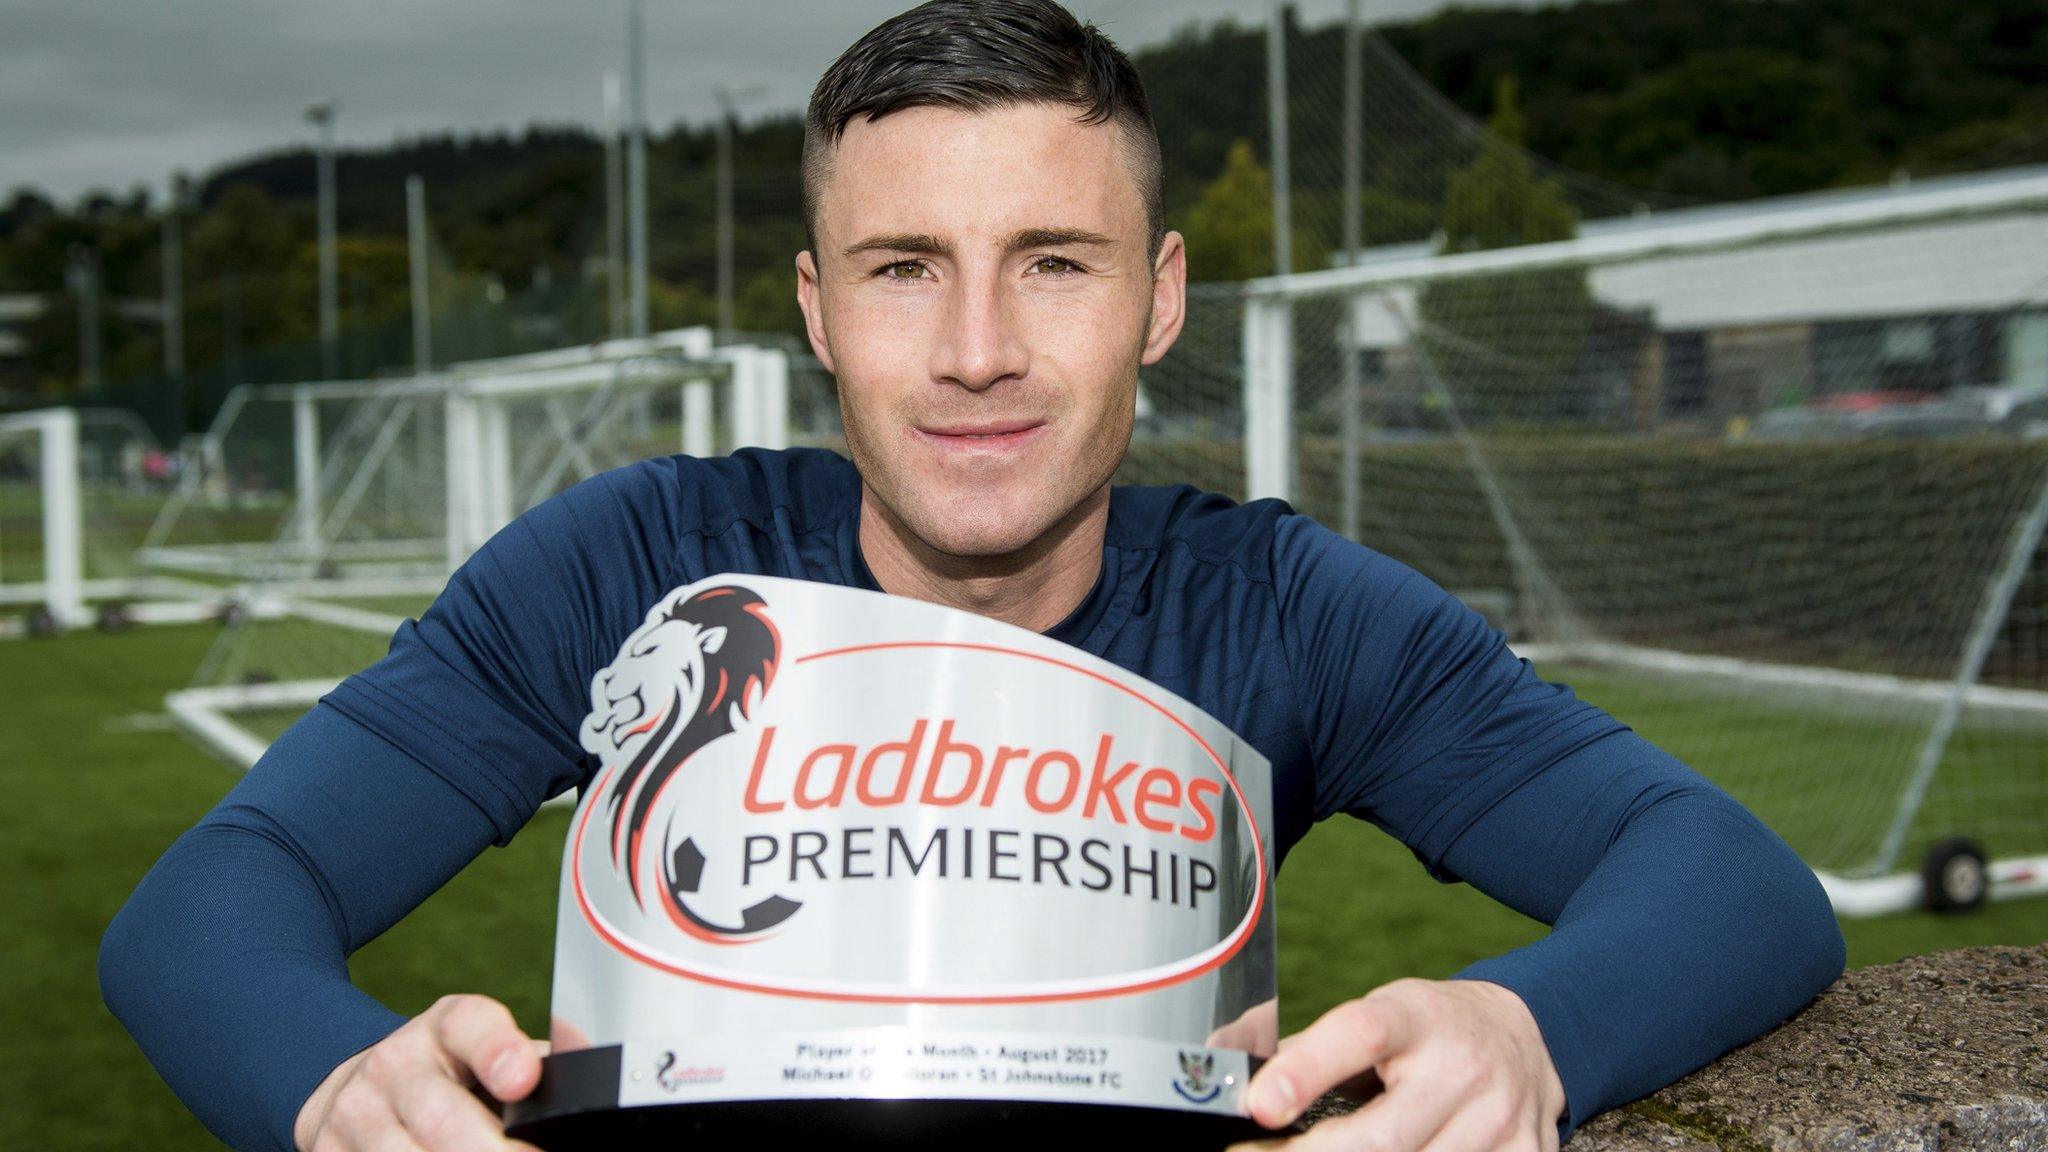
(683,679)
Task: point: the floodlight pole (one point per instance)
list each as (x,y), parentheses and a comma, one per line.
(416,247)
(174,288)
(83,278)
(728,117)
(636,159)
(1349,390)
(1276,118)
(725,116)
(614,209)
(321,114)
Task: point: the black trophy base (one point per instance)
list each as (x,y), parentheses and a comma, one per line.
(576,1109)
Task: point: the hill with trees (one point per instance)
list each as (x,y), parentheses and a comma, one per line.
(1655,101)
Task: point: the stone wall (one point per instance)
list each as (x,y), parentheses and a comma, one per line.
(1948,1052)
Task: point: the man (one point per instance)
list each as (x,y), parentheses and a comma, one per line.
(987,270)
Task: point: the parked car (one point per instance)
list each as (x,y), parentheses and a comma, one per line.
(1961,413)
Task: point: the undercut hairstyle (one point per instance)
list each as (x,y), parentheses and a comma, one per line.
(977,56)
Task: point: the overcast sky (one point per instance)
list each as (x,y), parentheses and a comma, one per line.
(111,93)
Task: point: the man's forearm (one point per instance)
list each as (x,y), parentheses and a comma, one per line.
(1694,931)
(229,963)
(220,968)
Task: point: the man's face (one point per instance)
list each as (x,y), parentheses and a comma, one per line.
(981,291)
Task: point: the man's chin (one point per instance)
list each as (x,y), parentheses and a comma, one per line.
(977,543)
(976,529)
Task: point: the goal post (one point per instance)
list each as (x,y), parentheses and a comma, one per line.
(45,443)
(76,486)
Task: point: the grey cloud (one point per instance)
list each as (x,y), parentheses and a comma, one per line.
(111,93)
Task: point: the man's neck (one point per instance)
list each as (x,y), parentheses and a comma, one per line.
(1035,587)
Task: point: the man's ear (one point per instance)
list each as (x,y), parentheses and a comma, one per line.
(810,299)
(1169,298)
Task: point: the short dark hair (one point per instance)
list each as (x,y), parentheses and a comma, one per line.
(978,55)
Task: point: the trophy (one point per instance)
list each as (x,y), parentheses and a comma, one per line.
(876,870)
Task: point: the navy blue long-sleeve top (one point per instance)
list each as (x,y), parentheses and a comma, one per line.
(1682,926)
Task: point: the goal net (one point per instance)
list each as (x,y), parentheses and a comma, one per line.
(1767,481)
(398,481)
(1769,485)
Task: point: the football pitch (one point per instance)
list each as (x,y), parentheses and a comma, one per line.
(100,786)
(1827,772)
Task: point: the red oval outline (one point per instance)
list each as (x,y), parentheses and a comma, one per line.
(1243,936)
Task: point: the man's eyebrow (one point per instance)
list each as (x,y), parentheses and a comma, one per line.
(927,244)
(1054,238)
(923,243)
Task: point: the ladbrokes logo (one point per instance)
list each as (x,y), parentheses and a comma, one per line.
(848,796)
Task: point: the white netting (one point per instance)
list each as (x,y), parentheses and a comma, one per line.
(1748,477)
(259,488)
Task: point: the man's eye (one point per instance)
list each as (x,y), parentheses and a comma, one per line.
(1061,266)
(889,270)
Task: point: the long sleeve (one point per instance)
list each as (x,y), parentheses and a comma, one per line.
(1682,926)
(229,962)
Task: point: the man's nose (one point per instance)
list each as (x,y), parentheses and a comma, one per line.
(978,342)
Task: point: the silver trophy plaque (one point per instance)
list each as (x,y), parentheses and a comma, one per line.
(872,868)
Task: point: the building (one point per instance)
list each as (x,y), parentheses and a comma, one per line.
(1744,308)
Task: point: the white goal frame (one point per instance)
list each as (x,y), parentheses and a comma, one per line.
(481,494)
(64,590)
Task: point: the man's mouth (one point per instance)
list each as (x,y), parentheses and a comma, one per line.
(981,436)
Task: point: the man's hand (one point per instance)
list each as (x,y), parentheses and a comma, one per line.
(1464,1067)
(417,1089)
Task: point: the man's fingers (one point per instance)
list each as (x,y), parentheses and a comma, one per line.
(481,1035)
(392,1139)
(363,1121)
(1344,1042)
(1361,1088)
(443,1116)
(1399,1121)
(1491,1128)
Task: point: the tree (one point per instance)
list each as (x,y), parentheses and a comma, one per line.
(1505,343)
(1729,125)
(1229,231)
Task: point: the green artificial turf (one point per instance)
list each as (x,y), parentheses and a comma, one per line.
(1827,773)
(98,788)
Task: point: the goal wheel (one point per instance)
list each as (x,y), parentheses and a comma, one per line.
(113,617)
(41,621)
(1954,877)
